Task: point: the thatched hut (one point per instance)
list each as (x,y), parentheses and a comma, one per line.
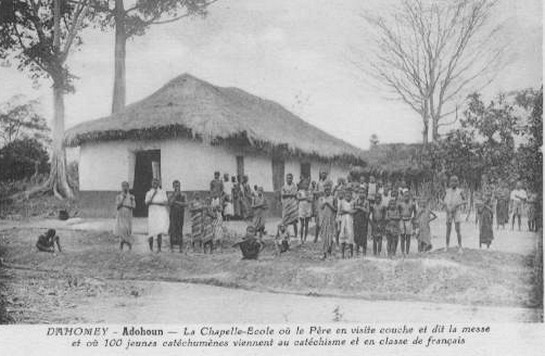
(190,128)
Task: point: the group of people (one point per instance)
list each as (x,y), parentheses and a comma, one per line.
(508,204)
(166,212)
(347,212)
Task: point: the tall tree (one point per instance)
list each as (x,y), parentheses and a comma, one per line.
(39,36)
(135,20)
(429,53)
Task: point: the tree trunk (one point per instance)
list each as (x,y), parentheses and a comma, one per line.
(57,176)
(118,101)
(425,131)
(435,130)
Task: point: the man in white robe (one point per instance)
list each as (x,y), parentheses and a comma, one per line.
(158,219)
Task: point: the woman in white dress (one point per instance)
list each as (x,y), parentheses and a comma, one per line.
(158,219)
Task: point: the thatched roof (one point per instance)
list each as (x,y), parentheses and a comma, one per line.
(190,107)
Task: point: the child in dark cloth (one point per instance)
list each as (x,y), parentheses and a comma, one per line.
(378,212)
(250,246)
(423,232)
(46,242)
(392,228)
(259,207)
(282,240)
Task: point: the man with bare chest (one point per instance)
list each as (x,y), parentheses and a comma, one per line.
(407,212)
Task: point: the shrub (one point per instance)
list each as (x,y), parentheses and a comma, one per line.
(23,158)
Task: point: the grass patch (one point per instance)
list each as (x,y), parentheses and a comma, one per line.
(477,277)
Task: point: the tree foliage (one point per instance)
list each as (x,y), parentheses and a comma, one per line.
(23,158)
(529,154)
(19,119)
(485,143)
(39,36)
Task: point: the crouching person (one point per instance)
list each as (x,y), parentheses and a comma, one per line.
(250,246)
(282,240)
(47,241)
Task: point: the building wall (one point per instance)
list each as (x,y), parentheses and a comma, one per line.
(104,165)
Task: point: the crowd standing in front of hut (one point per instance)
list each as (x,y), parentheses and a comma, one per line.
(345,214)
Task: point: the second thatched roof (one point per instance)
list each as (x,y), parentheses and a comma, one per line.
(190,107)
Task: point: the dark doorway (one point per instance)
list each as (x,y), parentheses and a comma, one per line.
(240,166)
(143,174)
(278,171)
(305,170)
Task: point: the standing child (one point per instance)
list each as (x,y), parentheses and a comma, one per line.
(486,221)
(423,231)
(378,213)
(177,202)
(289,203)
(392,228)
(532,215)
(217,227)
(208,229)
(125,205)
(228,210)
(372,189)
(407,211)
(196,212)
(346,235)
(304,208)
(328,213)
(339,199)
(361,222)
(259,207)
(453,202)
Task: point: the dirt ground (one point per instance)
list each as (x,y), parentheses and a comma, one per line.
(92,281)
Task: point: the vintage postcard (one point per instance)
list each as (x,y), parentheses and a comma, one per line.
(271,177)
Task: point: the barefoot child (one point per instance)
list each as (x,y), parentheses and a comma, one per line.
(46,242)
(423,232)
(407,210)
(346,234)
(250,246)
(228,210)
(486,221)
(392,228)
(259,207)
(453,202)
(378,213)
(282,240)
(209,214)
(361,222)
(304,199)
(125,205)
(196,211)
(217,226)
(328,213)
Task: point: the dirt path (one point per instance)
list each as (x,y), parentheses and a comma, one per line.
(179,302)
(91,281)
(171,302)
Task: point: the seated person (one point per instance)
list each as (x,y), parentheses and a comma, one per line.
(282,240)
(46,242)
(250,246)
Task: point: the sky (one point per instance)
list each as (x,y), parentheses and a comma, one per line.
(297,53)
